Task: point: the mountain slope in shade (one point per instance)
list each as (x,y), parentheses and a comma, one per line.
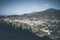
(8,32)
(49,13)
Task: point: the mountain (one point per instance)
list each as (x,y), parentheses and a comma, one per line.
(1,16)
(49,25)
(47,14)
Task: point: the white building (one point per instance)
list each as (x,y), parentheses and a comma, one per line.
(47,31)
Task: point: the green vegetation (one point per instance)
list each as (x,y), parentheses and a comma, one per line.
(9,32)
(36,28)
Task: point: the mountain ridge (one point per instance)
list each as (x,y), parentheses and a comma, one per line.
(46,14)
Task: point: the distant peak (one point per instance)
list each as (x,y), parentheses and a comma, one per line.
(51,9)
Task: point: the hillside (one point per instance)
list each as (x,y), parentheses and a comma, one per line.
(44,23)
(47,14)
(9,32)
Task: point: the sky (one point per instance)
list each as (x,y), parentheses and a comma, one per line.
(19,7)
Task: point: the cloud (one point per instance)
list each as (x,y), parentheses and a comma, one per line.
(46,4)
(35,7)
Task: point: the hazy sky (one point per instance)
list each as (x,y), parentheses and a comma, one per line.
(19,7)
